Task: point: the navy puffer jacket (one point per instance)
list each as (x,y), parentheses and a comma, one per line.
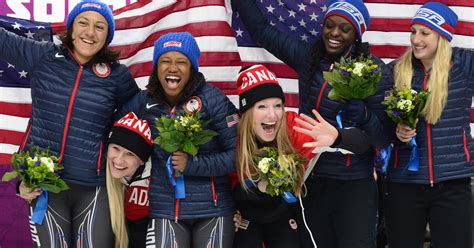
(72,104)
(445,148)
(296,53)
(208,191)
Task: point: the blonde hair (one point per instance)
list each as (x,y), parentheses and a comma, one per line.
(247,148)
(115,192)
(437,82)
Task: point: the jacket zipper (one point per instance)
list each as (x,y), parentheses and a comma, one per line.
(428,132)
(468,156)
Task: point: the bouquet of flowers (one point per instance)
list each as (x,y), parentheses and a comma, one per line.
(281,171)
(37,168)
(353,79)
(405,105)
(184,132)
(181,133)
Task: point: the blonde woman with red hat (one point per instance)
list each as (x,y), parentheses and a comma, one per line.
(264,123)
(128,179)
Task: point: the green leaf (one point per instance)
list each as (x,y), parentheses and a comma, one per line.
(189,148)
(62,185)
(9,176)
(333,95)
(203,136)
(50,187)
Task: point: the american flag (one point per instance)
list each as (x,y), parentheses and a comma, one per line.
(224,48)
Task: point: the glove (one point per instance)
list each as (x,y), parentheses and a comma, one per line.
(355,111)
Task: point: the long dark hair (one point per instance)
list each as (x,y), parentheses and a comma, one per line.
(318,53)
(157,91)
(104,55)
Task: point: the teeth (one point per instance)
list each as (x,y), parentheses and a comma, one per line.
(268,123)
(334,41)
(87,41)
(173,78)
(119,167)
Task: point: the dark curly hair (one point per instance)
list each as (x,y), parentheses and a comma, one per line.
(104,55)
(157,91)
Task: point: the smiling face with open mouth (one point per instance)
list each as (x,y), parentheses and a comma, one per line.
(267,116)
(338,35)
(174,71)
(89,35)
(122,162)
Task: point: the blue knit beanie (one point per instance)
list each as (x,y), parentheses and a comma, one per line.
(354,11)
(182,42)
(438,17)
(97,6)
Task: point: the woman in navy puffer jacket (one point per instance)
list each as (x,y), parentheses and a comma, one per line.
(75,89)
(439,193)
(203,218)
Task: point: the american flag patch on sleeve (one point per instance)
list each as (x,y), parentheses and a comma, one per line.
(232,120)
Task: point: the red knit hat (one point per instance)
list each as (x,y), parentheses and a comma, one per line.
(257,83)
(133,134)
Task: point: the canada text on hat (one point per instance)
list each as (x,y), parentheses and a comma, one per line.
(438,17)
(257,83)
(255,76)
(133,134)
(141,127)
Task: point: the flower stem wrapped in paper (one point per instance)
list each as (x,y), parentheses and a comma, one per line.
(185,133)
(282,172)
(404,106)
(353,79)
(37,168)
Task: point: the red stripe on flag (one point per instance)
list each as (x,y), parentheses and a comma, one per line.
(11,137)
(388,51)
(5,159)
(15,109)
(154,16)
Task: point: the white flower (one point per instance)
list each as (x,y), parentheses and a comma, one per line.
(264,164)
(358,67)
(404,105)
(48,162)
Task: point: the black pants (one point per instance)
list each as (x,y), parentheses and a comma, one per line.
(340,214)
(278,234)
(78,217)
(137,230)
(446,207)
(216,232)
